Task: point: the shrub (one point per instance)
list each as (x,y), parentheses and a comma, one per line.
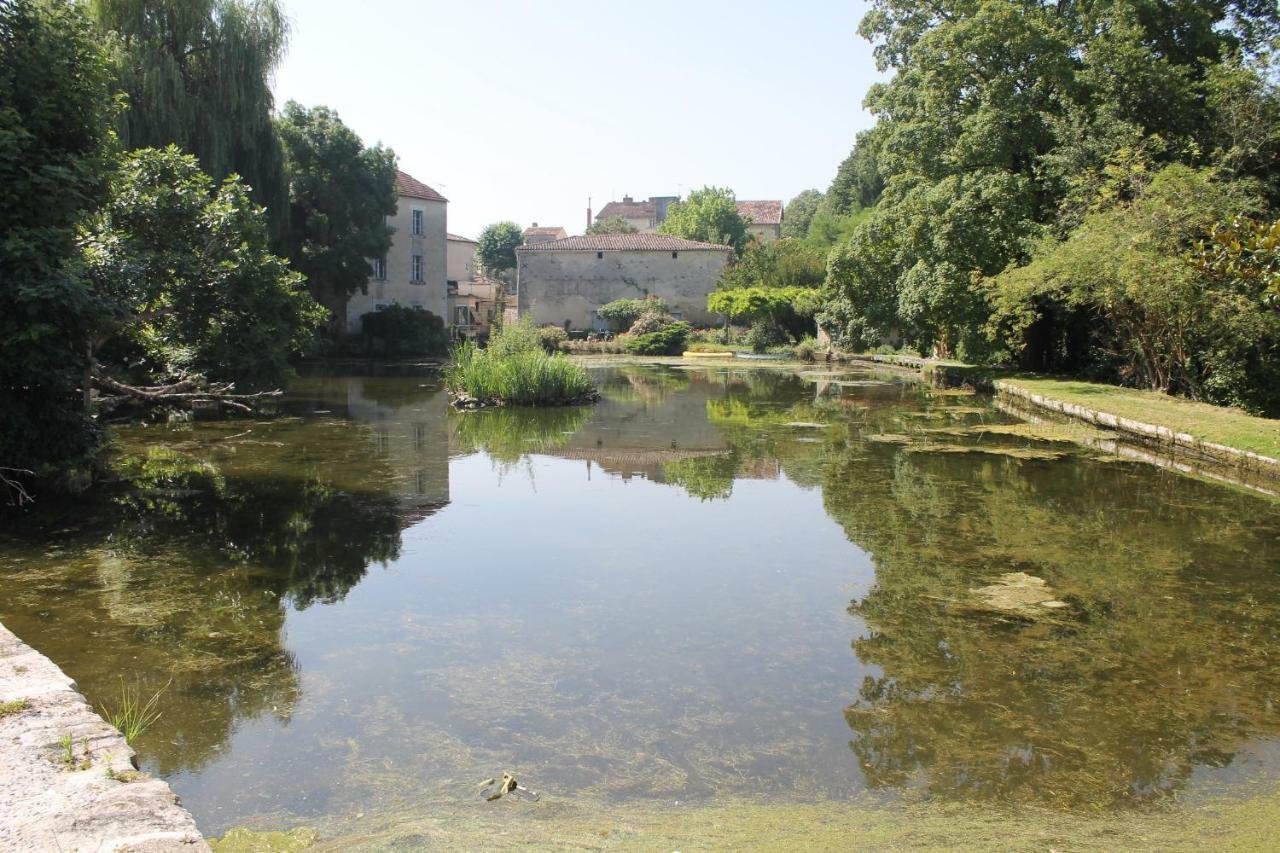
(650,322)
(514,369)
(806,349)
(583,347)
(399,330)
(765,334)
(669,340)
(621,314)
(550,337)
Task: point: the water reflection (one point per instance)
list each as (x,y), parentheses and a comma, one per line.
(650,598)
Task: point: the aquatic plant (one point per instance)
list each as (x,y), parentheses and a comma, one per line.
(134,714)
(515,370)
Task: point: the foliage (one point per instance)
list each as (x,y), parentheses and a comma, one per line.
(402,330)
(806,349)
(667,340)
(652,320)
(191,284)
(799,213)
(133,714)
(497,250)
(55,110)
(709,215)
(612,225)
(777,314)
(197,74)
(781,263)
(515,370)
(620,314)
(340,195)
(550,337)
(1245,253)
(1162,323)
(1003,123)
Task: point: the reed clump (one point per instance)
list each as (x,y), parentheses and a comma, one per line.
(515,370)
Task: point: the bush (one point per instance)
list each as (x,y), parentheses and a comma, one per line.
(669,340)
(399,330)
(550,337)
(806,349)
(621,314)
(599,347)
(765,334)
(514,369)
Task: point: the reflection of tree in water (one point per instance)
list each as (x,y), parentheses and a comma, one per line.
(1163,666)
(182,574)
(510,434)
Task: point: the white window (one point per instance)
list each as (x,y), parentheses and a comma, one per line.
(416,273)
(417,223)
(461,316)
(379,266)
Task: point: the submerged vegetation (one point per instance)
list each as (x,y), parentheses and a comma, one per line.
(515,370)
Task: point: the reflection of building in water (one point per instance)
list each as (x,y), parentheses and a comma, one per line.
(409,433)
(642,423)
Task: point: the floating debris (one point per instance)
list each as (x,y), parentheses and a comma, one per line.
(495,789)
(1016,594)
(889,438)
(1012,452)
(805,425)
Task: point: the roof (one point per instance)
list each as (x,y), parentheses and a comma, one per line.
(457,238)
(762,212)
(623,243)
(628,210)
(544,231)
(410,187)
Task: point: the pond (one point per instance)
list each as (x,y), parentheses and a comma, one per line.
(719,583)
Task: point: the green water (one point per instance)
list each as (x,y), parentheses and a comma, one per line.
(748,583)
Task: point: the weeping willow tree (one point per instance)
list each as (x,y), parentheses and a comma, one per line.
(196,74)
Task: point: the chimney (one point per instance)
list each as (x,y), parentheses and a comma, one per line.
(534,225)
(626,199)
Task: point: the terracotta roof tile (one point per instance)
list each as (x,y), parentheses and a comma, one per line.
(544,231)
(410,187)
(623,243)
(761,212)
(628,210)
(458,238)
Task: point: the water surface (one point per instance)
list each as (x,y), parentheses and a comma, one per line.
(716,582)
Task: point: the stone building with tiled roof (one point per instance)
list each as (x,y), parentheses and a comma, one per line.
(765,218)
(564,282)
(645,216)
(536,233)
(413,272)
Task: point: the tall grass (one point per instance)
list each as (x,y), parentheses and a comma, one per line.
(134,714)
(515,370)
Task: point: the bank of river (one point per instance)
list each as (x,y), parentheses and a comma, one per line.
(725,602)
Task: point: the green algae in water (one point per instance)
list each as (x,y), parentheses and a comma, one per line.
(367,611)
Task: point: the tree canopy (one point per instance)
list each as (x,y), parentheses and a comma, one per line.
(799,213)
(709,215)
(196,73)
(55,111)
(497,249)
(612,225)
(340,195)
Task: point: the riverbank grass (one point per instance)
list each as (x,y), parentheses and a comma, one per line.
(1217,424)
(515,370)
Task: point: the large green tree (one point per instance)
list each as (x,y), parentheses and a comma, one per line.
(799,213)
(1001,123)
(194,289)
(340,195)
(197,74)
(55,111)
(497,247)
(709,215)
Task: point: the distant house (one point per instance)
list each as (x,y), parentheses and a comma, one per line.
(413,272)
(645,215)
(536,233)
(765,219)
(473,298)
(564,282)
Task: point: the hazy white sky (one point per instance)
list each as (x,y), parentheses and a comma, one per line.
(521,110)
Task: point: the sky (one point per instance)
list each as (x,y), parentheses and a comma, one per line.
(524,110)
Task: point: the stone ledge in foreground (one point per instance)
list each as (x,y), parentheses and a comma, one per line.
(44,805)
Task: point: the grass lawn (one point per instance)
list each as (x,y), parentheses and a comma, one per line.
(1217,424)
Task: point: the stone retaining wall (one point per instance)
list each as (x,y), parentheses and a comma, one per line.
(92,800)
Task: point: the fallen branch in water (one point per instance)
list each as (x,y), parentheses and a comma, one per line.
(184,393)
(15,491)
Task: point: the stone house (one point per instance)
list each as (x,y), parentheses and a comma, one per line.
(536,233)
(645,215)
(413,272)
(765,219)
(563,282)
(473,298)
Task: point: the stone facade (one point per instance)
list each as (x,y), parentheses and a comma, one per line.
(645,216)
(414,271)
(563,283)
